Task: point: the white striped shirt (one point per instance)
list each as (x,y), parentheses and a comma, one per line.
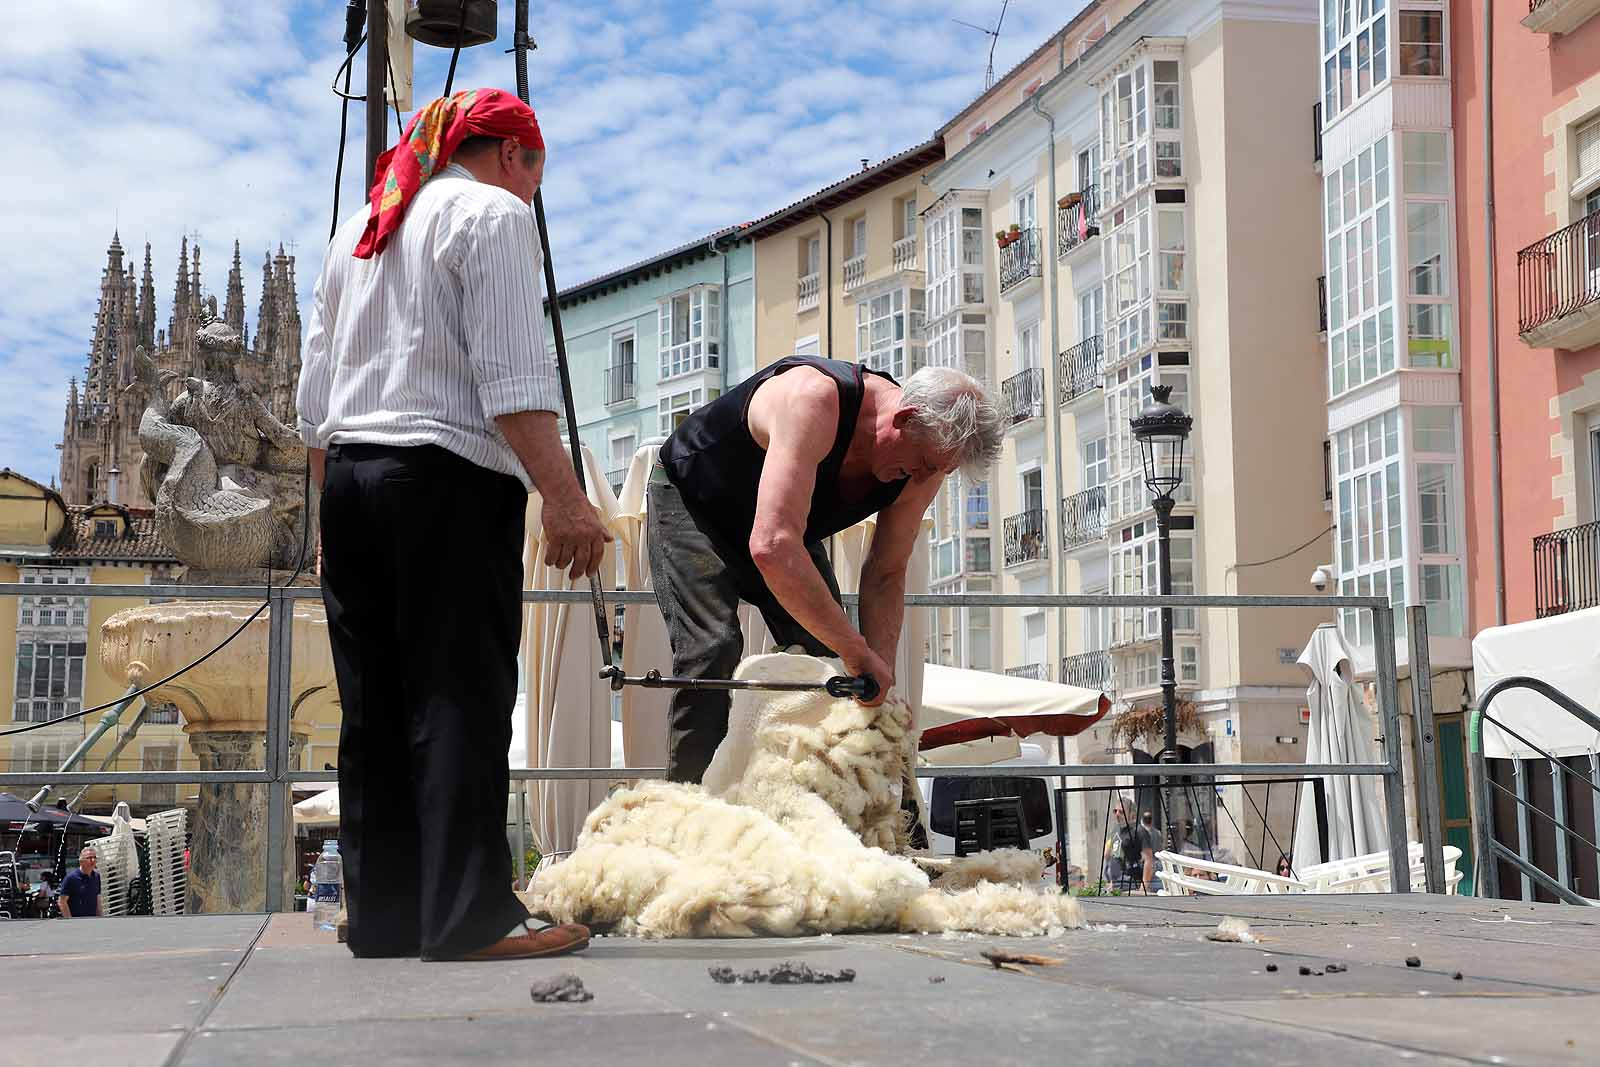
(428,341)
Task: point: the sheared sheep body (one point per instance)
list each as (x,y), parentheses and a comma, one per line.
(798,842)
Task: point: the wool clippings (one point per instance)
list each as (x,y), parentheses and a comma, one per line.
(786,973)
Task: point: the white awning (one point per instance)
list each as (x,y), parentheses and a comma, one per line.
(1563,651)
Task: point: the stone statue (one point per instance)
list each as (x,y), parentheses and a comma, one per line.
(227,478)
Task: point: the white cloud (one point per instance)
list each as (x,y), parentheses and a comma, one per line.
(214,119)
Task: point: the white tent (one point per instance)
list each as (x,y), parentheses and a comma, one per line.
(568,712)
(1564,651)
(1341,732)
(980,717)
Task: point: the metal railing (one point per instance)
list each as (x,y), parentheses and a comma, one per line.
(1089,670)
(1083,517)
(1327,471)
(1559,273)
(616,478)
(1081,368)
(1316,132)
(1079,221)
(1025,537)
(1322,303)
(1037,671)
(277,775)
(1566,570)
(1488,848)
(1022,396)
(619,383)
(1019,260)
(905,253)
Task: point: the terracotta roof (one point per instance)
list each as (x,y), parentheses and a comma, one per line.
(863,181)
(139,540)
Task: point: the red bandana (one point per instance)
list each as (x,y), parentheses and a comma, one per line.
(428,144)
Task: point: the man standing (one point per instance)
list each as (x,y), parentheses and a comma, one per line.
(748,488)
(429,405)
(80,889)
(1133,849)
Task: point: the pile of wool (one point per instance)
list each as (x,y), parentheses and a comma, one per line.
(798,839)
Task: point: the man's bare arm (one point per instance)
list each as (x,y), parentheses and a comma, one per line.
(66,905)
(574,536)
(883,576)
(800,432)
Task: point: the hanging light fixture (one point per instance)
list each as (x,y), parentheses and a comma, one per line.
(434,22)
(1162,431)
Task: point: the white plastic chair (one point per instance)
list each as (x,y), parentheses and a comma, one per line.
(1232,880)
(169,879)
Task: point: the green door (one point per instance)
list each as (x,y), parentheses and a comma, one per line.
(1455,804)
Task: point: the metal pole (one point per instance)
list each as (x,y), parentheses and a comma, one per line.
(377,68)
(1427,752)
(522,837)
(1487,883)
(1524,829)
(1169,675)
(107,721)
(1558,799)
(1061,817)
(279,650)
(1394,779)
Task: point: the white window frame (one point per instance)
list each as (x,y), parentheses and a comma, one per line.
(889,339)
(858,236)
(1443,44)
(683,402)
(1024,469)
(1096,462)
(629,336)
(1355,39)
(701,346)
(1027,351)
(1371,506)
(1360,254)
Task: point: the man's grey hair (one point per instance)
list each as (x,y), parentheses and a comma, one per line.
(956,413)
(88,850)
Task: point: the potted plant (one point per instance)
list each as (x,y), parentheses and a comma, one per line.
(1015,231)
(1000,238)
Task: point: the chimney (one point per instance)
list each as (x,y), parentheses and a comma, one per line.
(114,484)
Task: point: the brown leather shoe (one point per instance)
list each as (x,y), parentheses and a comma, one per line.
(532,944)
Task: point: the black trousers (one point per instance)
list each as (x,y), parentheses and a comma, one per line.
(699,584)
(421,576)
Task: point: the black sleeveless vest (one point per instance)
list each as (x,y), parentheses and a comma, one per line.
(716,464)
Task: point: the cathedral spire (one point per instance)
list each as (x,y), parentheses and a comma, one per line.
(147,305)
(180,297)
(234,313)
(266,317)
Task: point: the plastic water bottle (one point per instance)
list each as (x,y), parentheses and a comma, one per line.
(329,875)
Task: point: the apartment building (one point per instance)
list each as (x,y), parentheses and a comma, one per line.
(649,343)
(1545,102)
(1139,217)
(839,272)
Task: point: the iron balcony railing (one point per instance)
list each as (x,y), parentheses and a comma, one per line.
(1081,367)
(1316,132)
(616,478)
(1079,221)
(1083,517)
(1559,273)
(1322,303)
(1022,396)
(1566,570)
(1019,260)
(1025,537)
(1088,670)
(1037,671)
(619,383)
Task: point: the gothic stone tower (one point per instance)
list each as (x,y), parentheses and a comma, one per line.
(100,450)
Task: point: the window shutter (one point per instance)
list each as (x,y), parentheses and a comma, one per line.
(1589,149)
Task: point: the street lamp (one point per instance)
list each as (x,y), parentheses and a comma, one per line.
(1162,431)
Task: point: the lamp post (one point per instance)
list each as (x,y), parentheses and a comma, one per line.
(1162,431)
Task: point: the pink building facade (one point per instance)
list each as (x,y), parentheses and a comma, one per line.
(1545,102)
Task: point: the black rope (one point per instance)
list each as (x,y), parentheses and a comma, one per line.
(455,54)
(1223,804)
(1569,831)
(1264,825)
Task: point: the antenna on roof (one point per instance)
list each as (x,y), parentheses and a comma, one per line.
(994,39)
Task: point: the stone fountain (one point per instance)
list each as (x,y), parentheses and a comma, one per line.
(227,478)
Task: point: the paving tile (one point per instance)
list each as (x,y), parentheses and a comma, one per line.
(660,1040)
(77,936)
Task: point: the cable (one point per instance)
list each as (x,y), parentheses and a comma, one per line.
(344,68)
(1286,555)
(461,26)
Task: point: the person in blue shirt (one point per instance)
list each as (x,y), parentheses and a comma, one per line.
(80,890)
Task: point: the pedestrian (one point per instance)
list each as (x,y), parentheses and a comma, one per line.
(428,404)
(80,889)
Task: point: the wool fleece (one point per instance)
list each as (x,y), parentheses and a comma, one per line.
(794,832)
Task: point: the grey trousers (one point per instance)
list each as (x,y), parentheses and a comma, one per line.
(699,585)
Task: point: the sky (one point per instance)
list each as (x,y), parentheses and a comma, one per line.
(215,120)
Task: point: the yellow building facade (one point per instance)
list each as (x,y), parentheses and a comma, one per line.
(50,645)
